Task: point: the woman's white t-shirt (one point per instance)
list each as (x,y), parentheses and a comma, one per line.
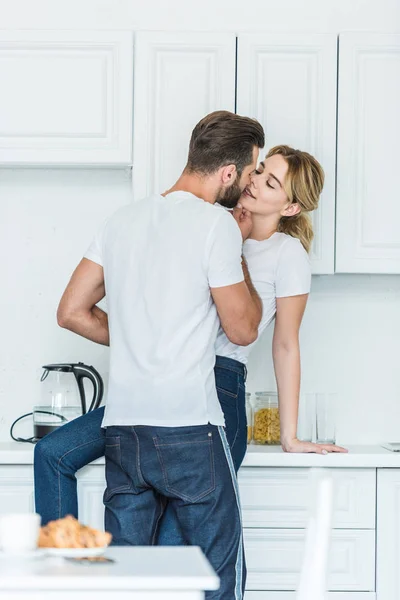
(279,267)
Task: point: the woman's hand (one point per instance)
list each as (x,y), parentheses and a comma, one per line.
(296,445)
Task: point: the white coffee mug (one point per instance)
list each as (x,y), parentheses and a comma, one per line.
(19,532)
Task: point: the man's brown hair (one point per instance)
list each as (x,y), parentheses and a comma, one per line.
(223,138)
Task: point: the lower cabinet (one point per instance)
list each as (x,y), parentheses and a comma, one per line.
(91,486)
(292,596)
(388,535)
(16,489)
(274,502)
(274,558)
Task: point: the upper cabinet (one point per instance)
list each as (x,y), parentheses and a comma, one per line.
(179,78)
(288,83)
(368,232)
(66,97)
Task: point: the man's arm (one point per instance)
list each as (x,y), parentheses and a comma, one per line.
(77,310)
(239,308)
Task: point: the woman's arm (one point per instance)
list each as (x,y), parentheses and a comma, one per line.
(286,356)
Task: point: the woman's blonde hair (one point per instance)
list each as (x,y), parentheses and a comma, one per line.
(303,185)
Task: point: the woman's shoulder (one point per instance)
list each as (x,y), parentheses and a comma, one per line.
(290,244)
(292,256)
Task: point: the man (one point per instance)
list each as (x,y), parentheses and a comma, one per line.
(171,265)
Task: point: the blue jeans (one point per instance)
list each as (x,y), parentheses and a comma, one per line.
(218,527)
(191,470)
(59,455)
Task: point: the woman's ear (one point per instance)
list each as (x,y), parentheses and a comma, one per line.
(292,210)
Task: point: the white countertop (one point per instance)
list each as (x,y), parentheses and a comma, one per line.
(135,568)
(14,453)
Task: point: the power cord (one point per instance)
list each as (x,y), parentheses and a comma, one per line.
(32,440)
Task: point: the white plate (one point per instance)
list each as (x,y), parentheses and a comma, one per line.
(25,554)
(75,552)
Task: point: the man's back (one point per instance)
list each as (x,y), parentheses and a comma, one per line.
(160,257)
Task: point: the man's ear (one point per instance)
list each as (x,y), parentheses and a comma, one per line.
(292,210)
(228,174)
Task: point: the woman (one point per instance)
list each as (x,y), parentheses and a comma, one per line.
(283,190)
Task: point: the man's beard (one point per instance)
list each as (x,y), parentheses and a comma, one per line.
(230,196)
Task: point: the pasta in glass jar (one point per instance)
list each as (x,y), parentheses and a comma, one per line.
(266,422)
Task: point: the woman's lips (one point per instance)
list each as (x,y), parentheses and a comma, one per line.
(247,192)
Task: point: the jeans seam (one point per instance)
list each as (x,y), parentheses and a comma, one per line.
(179,443)
(153,539)
(227,392)
(58,469)
(237,425)
(233,370)
(138,466)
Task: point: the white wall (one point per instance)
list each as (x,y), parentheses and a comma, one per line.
(225,15)
(351,331)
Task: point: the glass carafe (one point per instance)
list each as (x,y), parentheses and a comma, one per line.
(60,402)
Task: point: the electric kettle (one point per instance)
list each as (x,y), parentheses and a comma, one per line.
(63,397)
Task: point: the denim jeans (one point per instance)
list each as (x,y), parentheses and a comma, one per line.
(190,469)
(59,455)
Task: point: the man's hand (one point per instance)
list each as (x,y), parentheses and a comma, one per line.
(243,219)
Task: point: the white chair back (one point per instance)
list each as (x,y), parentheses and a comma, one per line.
(312,584)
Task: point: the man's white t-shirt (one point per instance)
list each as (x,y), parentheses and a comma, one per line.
(279,267)
(160,257)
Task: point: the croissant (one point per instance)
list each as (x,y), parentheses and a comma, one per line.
(69,533)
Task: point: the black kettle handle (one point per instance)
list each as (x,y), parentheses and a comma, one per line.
(81,371)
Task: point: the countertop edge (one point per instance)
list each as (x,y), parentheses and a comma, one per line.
(14,453)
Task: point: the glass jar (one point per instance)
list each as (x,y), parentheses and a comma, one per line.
(266,423)
(249,418)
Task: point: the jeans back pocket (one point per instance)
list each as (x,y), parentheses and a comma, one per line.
(187,463)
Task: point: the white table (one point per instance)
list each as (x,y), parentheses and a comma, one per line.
(139,573)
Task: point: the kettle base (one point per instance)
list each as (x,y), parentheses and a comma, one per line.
(39,431)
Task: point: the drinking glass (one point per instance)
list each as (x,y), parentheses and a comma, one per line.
(306,420)
(325,421)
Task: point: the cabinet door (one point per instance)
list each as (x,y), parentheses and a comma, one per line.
(288,83)
(274,558)
(179,78)
(368,237)
(293,595)
(281,497)
(66,97)
(91,486)
(16,489)
(388,535)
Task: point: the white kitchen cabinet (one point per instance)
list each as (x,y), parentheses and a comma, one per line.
(66,97)
(274,558)
(179,78)
(16,489)
(91,486)
(367,236)
(388,532)
(281,497)
(251,595)
(288,83)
